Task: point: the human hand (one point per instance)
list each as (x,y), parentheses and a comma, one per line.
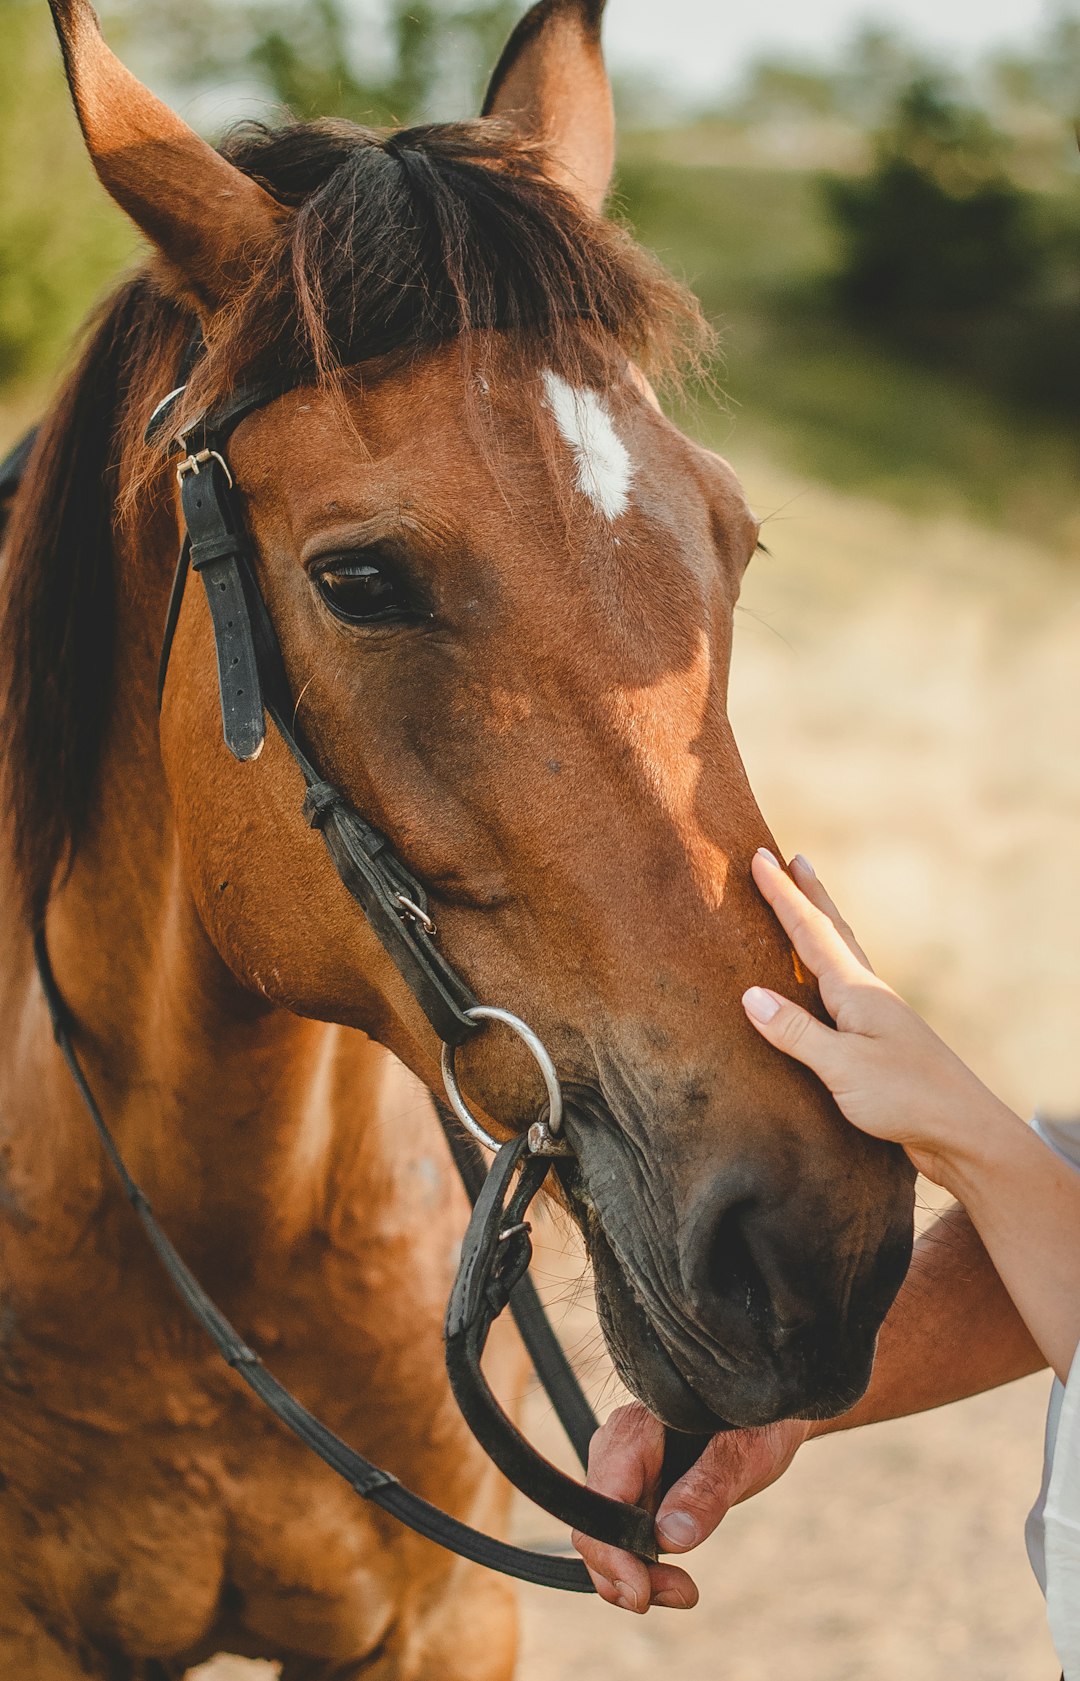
(625,1462)
(888,1071)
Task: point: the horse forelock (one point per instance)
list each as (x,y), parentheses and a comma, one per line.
(406,239)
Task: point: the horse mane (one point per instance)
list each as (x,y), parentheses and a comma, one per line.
(398,241)
(410,238)
(57,591)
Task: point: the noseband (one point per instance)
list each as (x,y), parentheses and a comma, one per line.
(497,1249)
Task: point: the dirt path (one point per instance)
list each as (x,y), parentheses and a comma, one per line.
(907,697)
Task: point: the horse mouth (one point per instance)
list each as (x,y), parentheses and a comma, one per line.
(638,1352)
(658,1333)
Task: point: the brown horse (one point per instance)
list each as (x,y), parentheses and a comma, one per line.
(504,585)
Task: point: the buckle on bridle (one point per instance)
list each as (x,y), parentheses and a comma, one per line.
(192,464)
(417,914)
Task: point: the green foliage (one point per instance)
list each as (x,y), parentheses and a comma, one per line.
(429,59)
(854,408)
(947,259)
(60,239)
(936,227)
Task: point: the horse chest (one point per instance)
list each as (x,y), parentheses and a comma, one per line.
(155,1501)
(173,1538)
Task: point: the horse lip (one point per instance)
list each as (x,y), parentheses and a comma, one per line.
(584,1104)
(683,1400)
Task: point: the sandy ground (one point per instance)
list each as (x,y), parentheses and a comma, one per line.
(907,696)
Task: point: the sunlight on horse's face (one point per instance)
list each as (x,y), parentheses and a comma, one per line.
(533,707)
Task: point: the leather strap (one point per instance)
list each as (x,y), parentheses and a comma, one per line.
(252,682)
(494,1257)
(217,545)
(363,857)
(556,1374)
(369,1480)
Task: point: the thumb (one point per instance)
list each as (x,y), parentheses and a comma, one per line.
(735,1465)
(724,1474)
(792,1030)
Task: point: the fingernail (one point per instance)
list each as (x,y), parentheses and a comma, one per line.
(679,1528)
(761,1006)
(672,1601)
(628,1599)
(804,865)
(769,857)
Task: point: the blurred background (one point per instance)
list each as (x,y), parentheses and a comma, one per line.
(881,211)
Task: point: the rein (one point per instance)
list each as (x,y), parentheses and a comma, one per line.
(497,1248)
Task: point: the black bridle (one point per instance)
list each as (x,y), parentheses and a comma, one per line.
(497,1249)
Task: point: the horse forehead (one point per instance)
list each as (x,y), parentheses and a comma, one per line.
(596,441)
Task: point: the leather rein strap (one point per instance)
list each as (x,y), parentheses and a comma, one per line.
(545,1569)
(496,1252)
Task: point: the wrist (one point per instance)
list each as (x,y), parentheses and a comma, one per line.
(978,1153)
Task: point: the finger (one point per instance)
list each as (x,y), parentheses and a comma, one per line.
(816,941)
(625,1460)
(794,1031)
(618,1577)
(633,1585)
(693,1507)
(626,1455)
(808,883)
(672,1588)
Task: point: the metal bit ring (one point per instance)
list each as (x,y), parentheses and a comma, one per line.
(538,1051)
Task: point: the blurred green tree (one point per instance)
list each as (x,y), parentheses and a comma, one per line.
(410,61)
(60,240)
(936,228)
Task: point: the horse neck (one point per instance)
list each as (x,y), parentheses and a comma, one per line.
(222,1104)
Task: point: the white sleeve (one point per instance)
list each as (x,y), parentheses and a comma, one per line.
(1062,1531)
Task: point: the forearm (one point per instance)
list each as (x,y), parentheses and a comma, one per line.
(952,1332)
(1024,1201)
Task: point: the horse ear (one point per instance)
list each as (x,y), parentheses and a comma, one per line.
(208,219)
(552,83)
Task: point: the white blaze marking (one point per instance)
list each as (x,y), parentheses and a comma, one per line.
(604,468)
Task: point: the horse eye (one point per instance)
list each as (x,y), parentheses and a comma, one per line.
(361,593)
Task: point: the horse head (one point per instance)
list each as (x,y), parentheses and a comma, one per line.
(504,586)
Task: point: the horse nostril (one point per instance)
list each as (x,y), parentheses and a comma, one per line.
(733,1276)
